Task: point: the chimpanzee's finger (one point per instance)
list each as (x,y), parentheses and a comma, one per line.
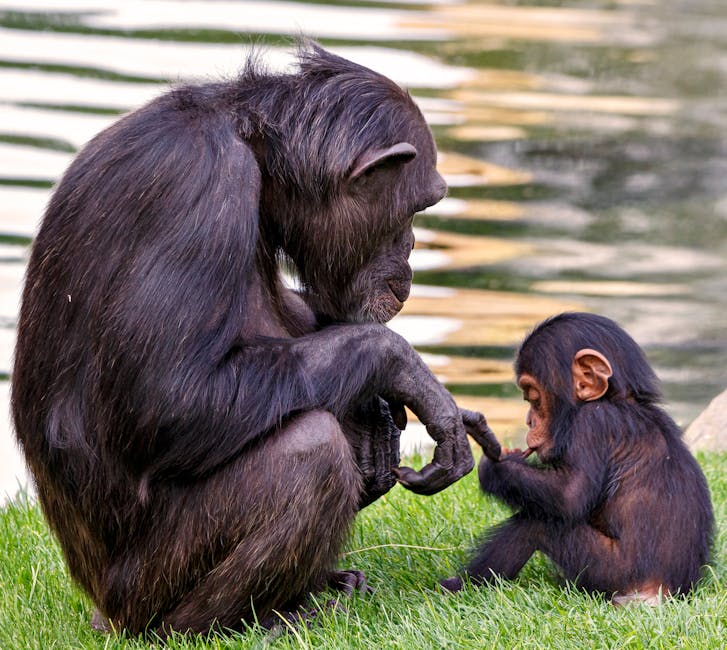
(472,418)
(462,456)
(452,460)
(398,414)
(477,427)
(432,478)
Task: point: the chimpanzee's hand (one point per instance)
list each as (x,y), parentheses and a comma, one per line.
(452,460)
(488,475)
(374,434)
(413,384)
(477,427)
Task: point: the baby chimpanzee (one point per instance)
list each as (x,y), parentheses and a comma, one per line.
(616,499)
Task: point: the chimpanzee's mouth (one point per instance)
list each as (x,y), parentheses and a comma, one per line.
(400,290)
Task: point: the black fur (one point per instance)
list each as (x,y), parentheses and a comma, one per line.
(200,435)
(619,503)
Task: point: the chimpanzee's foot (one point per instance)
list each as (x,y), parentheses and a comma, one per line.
(348,581)
(639,597)
(281,622)
(452,584)
(99,622)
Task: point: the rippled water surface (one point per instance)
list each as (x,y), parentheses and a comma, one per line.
(584,145)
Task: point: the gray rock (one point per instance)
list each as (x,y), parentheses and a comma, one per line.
(709,429)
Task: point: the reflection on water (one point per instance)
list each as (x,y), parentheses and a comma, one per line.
(584,148)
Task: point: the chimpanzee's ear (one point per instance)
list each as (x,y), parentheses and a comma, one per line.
(591,372)
(400,153)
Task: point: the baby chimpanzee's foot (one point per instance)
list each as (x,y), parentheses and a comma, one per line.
(452,584)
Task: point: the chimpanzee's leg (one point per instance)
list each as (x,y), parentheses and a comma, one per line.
(255,537)
(506,549)
(597,562)
(586,556)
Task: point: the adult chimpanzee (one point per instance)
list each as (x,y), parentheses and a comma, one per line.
(618,502)
(201,437)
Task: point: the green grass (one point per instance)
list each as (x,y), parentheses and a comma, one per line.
(404,543)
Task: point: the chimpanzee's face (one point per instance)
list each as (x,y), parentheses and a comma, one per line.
(388,197)
(538,438)
(352,249)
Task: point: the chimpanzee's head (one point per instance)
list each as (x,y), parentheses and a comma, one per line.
(571,360)
(359,162)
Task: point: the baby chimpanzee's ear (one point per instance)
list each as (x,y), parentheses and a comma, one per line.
(591,372)
(401,152)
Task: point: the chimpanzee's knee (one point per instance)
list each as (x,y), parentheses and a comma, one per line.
(312,431)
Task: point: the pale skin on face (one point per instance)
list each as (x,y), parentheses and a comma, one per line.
(537,418)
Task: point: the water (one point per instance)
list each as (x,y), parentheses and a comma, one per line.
(584,144)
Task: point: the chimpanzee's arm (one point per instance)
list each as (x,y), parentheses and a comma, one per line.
(255,387)
(371,428)
(569,491)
